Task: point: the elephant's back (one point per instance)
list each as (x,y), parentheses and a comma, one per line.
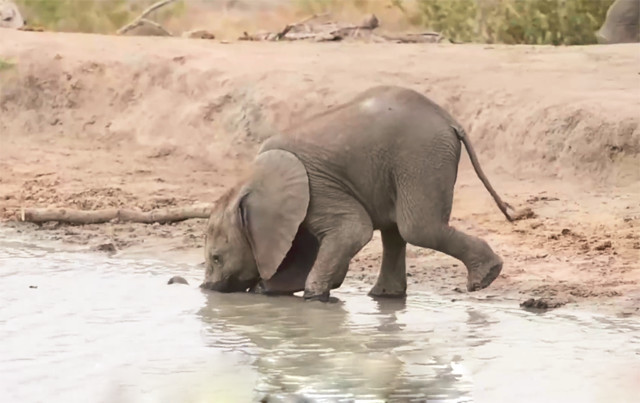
(363,144)
(381,115)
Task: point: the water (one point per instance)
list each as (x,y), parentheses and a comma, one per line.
(100,329)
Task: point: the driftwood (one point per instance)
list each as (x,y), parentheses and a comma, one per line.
(142,18)
(71,216)
(332,31)
(301,30)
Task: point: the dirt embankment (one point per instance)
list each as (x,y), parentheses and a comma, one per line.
(94,121)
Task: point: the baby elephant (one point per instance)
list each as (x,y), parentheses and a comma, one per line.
(386,160)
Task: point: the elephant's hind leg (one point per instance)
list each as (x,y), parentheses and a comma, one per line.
(423,210)
(392,280)
(483,265)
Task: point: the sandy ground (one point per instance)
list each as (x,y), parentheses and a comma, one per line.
(91,121)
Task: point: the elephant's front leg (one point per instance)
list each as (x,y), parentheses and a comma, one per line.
(294,269)
(392,280)
(338,245)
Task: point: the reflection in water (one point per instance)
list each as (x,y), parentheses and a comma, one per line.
(105,329)
(319,351)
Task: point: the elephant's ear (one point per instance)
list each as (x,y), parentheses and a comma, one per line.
(274,207)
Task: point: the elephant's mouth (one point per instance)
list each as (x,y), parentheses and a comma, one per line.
(229,285)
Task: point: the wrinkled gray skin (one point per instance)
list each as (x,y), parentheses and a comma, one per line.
(386,160)
(622,24)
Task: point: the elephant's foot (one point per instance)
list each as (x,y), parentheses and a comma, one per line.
(387,291)
(482,275)
(311,296)
(262,289)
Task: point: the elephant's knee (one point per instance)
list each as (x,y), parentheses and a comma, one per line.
(355,237)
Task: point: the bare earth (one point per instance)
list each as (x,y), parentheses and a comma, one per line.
(91,121)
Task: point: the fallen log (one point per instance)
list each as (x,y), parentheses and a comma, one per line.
(323,32)
(82,217)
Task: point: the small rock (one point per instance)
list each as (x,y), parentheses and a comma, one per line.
(288,399)
(541,303)
(179,59)
(603,246)
(177,280)
(33,286)
(106,247)
(198,34)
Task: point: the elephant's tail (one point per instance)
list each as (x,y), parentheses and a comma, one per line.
(503,206)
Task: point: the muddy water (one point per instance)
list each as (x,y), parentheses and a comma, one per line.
(82,327)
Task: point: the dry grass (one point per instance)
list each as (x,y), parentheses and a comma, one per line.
(96,16)
(5,65)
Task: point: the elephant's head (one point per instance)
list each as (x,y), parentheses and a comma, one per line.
(252,227)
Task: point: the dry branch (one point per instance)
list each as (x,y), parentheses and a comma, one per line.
(422,37)
(154,24)
(71,216)
(141,19)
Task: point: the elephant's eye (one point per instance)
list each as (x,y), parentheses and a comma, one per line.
(216,259)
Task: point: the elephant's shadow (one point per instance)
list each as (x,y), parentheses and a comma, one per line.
(316,349)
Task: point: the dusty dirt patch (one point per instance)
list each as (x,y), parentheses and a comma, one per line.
(90,121)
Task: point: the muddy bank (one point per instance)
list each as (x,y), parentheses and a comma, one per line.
(535,109)
(93,121)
